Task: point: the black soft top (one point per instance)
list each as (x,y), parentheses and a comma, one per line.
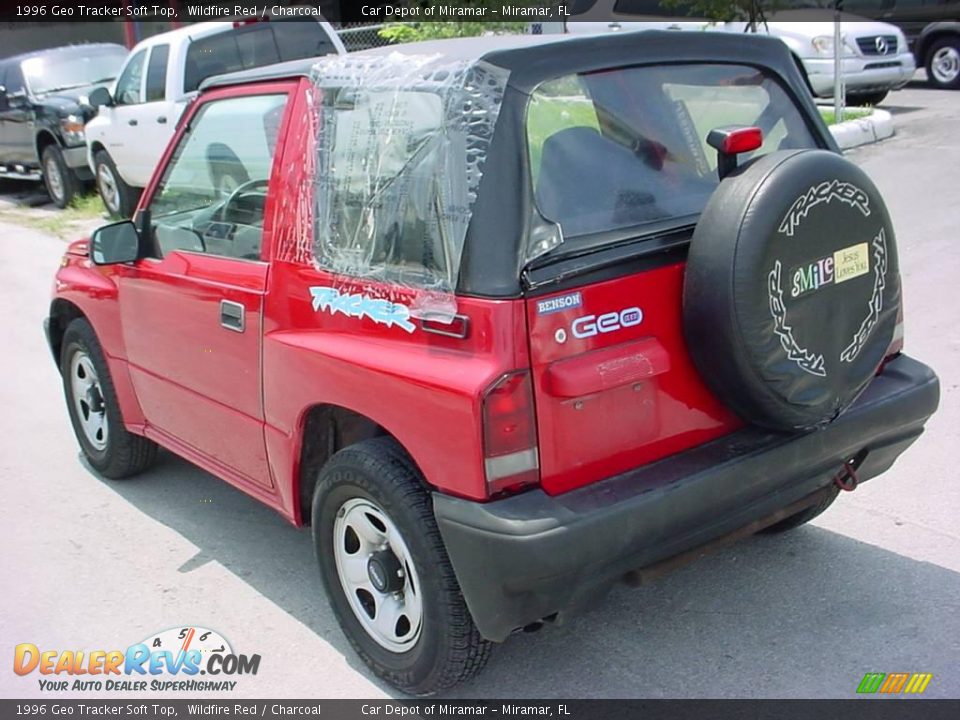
(533,59)
(494,248)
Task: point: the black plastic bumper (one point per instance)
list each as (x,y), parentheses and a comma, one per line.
(527,557)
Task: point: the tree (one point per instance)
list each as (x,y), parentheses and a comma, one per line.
(401,32)
(754,12)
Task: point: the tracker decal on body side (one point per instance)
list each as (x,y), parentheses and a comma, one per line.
(382,312)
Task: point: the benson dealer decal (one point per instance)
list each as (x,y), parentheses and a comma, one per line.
(170,660)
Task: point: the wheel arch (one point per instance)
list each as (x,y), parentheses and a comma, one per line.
(324,429)
(62,313)
(96,146)
(43,140)
(931,33)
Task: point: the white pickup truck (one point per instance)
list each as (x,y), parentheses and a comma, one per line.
(137,117)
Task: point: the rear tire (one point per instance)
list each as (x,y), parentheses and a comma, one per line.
(867,99)
(943,63)
(61,182)
(119,198)
(802,517)
(370,507)
(94,412)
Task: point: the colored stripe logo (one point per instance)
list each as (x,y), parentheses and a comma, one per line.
(894,683)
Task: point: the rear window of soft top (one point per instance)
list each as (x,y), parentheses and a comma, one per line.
(626,147)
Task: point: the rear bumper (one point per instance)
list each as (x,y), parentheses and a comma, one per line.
(527,557)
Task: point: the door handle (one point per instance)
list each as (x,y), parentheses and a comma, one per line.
(131,122)
(162,120)
(232,315)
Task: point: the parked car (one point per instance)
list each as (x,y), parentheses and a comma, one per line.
(138,115)
(932,30)
(506,319)
(43,109)
(876,57)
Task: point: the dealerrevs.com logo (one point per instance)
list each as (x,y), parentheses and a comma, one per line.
(171,660)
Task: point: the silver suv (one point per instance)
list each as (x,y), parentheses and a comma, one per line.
(875,55)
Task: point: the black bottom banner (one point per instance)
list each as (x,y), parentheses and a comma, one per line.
(859,709)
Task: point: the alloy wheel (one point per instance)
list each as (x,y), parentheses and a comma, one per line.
(51,172)
(377,574)
(946,65)
(108,187)
(87,396)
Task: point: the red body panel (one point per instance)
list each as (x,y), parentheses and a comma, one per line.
(196,380)
(626,394)
(236,403)
(423,388)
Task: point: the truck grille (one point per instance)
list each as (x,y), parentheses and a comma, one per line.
(878,45)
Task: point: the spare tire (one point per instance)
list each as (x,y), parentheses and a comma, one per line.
(792,288)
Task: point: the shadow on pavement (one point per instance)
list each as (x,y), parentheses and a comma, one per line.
(23,193)
(900,109)
(746,622)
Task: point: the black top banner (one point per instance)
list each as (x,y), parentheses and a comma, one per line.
(367,11)
(340,11)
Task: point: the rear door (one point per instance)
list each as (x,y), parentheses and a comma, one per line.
(16,122)
(619,162)
(192,313)
(123,137)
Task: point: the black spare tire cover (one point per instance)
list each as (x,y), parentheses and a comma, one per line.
(792,288)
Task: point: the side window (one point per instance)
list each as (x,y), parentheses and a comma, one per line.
(209,56)
(298,40)
(157,73)
(385,208)
(213,192)
(128,86)
(13,79)
(257,46)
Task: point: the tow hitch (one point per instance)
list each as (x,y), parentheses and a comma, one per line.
(847,479)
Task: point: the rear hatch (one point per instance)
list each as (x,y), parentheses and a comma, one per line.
(621,169)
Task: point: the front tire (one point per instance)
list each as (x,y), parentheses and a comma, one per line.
(386,571)
(94,412)
(943,63)
(119,198)
(61,182)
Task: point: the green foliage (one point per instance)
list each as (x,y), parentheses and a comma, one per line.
(848,114)
(752,11)
(399,32)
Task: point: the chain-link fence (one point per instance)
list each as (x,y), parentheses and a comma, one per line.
(361,37)
(358,36)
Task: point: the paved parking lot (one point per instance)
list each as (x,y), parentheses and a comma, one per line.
(872,586)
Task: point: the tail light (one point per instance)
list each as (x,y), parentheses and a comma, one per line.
(511,456)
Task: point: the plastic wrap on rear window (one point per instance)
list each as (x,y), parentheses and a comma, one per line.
(400,147)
